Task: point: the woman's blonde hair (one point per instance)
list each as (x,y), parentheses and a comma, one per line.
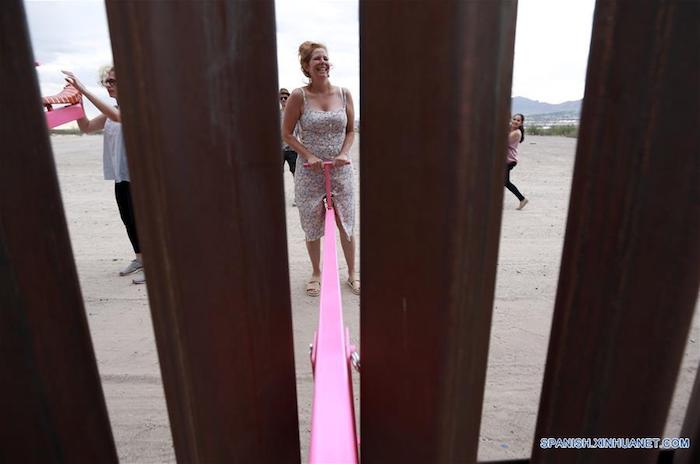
(104,72)
(305,51)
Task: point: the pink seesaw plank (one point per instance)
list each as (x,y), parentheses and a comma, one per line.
(63,115)
(333,435)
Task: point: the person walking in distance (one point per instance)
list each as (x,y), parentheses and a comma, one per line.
(515,137)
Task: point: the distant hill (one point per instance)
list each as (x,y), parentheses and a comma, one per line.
(529,107)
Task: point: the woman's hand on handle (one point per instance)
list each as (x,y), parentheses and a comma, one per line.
(315,163)
(341,160)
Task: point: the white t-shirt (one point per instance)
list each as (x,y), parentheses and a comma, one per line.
(114,153)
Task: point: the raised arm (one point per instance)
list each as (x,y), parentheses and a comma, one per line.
(105,108)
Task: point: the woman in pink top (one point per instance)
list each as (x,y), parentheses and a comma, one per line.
(516,136)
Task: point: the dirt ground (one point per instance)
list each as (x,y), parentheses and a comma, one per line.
(529,255)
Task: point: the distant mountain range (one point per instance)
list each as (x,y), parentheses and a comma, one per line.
(530,107)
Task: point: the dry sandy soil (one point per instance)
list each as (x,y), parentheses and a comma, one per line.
(530,251)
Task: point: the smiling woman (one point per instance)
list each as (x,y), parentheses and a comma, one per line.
(325,115)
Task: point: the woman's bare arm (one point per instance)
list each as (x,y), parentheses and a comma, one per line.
(513,136)
(349,128)
(92,125)
(292,113)
(105,108)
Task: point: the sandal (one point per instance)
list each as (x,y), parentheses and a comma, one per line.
(313,288)
(354,285)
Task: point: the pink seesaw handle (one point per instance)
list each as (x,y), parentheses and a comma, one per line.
(327,165)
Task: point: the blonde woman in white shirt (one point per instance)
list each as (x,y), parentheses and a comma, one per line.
(114,157)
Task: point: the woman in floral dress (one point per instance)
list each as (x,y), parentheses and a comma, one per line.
(326,116)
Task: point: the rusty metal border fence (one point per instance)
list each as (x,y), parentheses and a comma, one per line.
(53,409)
(432,187)
(630,266)
(197,93)
(198,87)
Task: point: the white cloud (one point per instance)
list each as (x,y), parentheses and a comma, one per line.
(70,35)
(551,48)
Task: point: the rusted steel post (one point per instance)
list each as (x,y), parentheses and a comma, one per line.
(433,157)
(629,273)
(53,409)
(198,93)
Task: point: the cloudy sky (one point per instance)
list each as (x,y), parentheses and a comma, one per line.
(551,48)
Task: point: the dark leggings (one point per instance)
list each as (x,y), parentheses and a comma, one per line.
(509,185)
(290,156)
(126,211)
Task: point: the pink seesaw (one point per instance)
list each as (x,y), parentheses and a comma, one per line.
(333,435)
(71,109)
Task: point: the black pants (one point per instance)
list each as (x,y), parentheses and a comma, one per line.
(509,185)
(126,211)
(290,156)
